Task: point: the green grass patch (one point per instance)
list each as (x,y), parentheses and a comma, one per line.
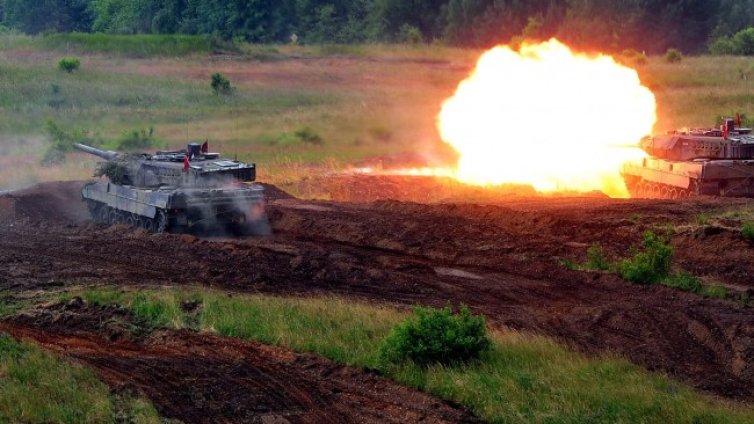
(521,378)
(650,264)
(138,45)
(37,387)
(747,231)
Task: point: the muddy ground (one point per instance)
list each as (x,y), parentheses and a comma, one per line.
(502,256)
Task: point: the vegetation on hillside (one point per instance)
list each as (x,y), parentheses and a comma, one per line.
(644,25)
(37,387)
(520,378)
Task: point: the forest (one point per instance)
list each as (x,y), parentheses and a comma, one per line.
(651,26)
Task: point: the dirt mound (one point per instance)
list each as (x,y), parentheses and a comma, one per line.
(272,192)
(369,188)
(58,202)
(203,378)
(504,260)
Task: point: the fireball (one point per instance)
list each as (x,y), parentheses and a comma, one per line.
(548,117)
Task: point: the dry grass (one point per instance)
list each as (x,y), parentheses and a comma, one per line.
(346,94)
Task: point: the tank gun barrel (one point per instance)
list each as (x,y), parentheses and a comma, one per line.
(104,154)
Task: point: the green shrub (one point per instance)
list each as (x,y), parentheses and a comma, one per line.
(381,133)
(69,64)
(743,42)
(702,219)
(595,258)
(683,282)
(748,231)
(137,139)
(61,142)
(220,84)
(411,34)
(632,56)
(308,135)
(673,56)
(715,292)
(722,46)
(651,264)
(436,336)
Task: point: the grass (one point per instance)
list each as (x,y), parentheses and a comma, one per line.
(649,264)
(138,46)
(522,378)
(37,387)
(384,96)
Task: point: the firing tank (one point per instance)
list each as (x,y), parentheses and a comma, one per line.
(691,162)
(177,191)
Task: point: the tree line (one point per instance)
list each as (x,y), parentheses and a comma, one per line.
(613,25)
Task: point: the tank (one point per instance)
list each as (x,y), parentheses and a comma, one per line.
(692,162)
(179,191)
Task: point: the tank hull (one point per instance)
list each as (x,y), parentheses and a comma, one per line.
(176,209)
(662,178)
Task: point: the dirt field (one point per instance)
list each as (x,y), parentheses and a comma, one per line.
(503,259)
(201,378)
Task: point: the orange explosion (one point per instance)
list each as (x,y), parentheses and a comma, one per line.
(548,117)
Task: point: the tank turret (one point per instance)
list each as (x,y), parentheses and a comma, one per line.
(194,167)
(175,191)
(689,162)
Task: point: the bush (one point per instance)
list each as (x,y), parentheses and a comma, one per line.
(381,133)
(684,282)
(61,142)
(436,336)
(411,34)
(748,231)
(716,292)
(137,139)
(651,265)
(722,46)
(308,135)
(631,56)
(69,64)
(673,56)
(595,258)
(220,84)
(743,42)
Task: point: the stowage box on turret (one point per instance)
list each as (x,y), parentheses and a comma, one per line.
(177,191)
(691,162)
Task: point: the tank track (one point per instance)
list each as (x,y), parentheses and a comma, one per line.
(651,190)
(103,214)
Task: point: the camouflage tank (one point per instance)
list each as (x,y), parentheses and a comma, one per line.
(180,191)
(691,162)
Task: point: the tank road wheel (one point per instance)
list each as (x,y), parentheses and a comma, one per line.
(160,222)
(147,224)
(112,216)
(103,217)
(120,219)
(673,193)
(683,194)
(641,190)
(94,209)
(665,192)
(130,220)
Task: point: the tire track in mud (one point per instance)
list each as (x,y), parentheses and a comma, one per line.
(390,252)
(200,378)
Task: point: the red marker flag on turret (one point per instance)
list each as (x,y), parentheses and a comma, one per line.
(738,120)
(186,164)
(205,147)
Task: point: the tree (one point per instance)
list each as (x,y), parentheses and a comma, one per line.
(36,16)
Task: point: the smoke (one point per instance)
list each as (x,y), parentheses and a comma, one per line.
(236,216)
